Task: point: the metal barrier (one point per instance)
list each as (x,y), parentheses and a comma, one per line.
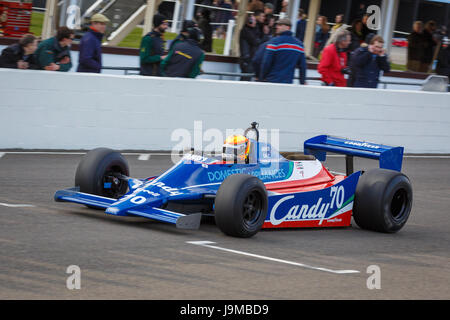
(126,71)
(136,70)
(385,83)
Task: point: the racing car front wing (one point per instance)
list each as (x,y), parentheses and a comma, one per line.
(182,221)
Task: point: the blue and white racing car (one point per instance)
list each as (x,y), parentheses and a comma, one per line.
(260,189)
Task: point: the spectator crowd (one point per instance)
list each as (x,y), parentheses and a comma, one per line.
(183,59)
(349,55)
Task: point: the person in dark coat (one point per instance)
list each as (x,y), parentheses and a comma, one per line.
(357,34)
(204,24)
(365,29)
(367,62)
(184,34)
(415,47)
(282,55)
(20,55)
(429,44)
(222,16)
(151,51)
(443,64)
(321,35)
(185,58)
(90,57)
(248,43)
(260,18)
(301,25)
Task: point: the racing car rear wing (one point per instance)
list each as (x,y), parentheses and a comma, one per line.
(389,157)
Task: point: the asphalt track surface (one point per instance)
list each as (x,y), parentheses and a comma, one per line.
(136,258)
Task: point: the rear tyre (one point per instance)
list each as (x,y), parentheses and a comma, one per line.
(383,200)
(240,207)
(100,172)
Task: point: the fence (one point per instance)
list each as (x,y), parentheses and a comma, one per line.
(220,75)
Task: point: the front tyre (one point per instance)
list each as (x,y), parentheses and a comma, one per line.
(241,205)
(100,172)
(383,200)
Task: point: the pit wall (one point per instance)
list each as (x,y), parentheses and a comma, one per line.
(52,110)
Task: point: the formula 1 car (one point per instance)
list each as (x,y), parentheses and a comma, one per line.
(268,190)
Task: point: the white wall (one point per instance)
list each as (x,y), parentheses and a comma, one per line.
(52,110)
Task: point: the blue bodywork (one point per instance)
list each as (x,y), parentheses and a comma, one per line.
(196,179)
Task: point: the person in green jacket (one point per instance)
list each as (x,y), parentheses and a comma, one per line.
(53,54)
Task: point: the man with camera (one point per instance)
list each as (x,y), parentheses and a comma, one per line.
(333,64)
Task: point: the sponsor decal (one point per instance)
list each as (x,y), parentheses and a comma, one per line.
(172,191)
(362,144)
(138,198)
(150,193)
(263,174)
(323,207)
(267,151)
(198,158)
(223,174)
(300,168)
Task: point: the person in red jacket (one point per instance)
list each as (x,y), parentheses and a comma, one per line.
(333,64)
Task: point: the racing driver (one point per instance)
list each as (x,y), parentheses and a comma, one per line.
(236,149)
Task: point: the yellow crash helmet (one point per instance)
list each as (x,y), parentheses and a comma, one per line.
(236,149)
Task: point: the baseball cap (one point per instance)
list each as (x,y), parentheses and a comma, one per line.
(98,17)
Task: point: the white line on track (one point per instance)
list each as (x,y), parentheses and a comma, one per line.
(144,156)
(16,205)
(208,244)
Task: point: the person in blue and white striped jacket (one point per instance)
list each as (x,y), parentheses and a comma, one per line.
(282,54)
